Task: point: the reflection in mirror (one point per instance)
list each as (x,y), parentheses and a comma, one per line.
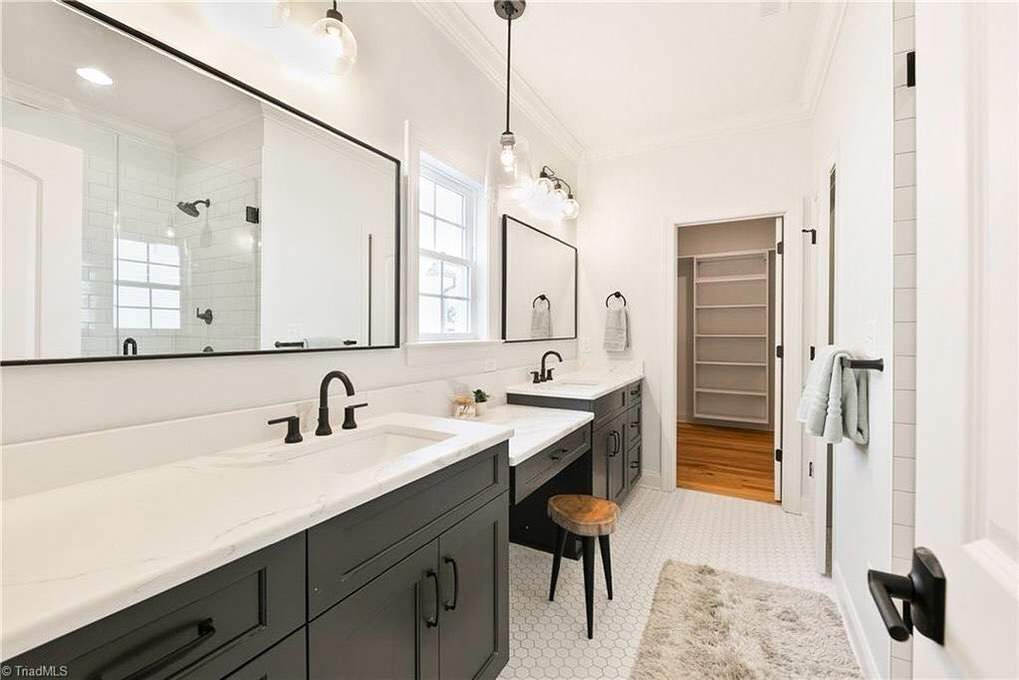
(151,209)
(539,297)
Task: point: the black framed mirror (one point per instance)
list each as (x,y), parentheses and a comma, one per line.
(155,207)
(539,284)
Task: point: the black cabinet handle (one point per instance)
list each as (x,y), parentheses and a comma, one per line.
(635,423)
(450,606)
(557,454)
(615,444)
(205,632)
(634,464)
(433,621)
(634,392)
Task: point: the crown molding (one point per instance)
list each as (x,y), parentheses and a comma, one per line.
(452,22)
(822,50)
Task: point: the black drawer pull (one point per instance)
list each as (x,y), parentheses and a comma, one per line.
(450,606)
(635,392)
(616,445)
(635,423)
(634,464)
(433,621)
(557,454)
(205,632)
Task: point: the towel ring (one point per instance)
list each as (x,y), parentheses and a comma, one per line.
(869,364)
(542,297)
(617,294)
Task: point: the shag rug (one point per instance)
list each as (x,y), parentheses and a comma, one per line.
(706,623)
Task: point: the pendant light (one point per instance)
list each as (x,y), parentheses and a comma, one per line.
(509,162)
(336,40)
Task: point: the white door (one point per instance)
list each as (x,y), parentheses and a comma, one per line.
(778,316)
(966,422)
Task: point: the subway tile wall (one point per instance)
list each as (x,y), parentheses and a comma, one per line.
(904,314)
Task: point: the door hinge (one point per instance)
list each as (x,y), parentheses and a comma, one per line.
(251,214)
(813,235)
(812,350)
(779,351)
(778,455)
(779,248)
(810,469)
(911,69)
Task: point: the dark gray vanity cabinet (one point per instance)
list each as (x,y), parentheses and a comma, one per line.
(615,440)
(440,612)
(413,584)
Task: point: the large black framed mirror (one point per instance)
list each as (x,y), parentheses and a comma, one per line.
(539,284)
(155,207)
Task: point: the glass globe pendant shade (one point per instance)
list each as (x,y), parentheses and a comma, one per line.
(559,192)
(571,208)
(336,41)
(544,186)
(509,162)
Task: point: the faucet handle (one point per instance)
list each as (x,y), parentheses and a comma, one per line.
(348,415)
(548,375)
(293,428)
(535,377)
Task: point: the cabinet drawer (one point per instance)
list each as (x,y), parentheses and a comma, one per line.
(632,419)
(202,629)
(347,551)
(633,393)
(286,661)
(609,405)
(546,464)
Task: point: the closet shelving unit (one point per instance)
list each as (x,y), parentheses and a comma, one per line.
(731,336)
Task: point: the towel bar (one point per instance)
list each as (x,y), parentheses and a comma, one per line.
(869,364)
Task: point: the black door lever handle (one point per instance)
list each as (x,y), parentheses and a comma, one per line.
(923,598)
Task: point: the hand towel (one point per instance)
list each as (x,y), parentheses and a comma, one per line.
(541,321)
(322,342)
(835,399)
(617,329)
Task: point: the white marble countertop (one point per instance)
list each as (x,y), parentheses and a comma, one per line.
(534,427)
(587,383)
(77,553)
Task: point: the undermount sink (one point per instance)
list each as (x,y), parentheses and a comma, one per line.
(350,451)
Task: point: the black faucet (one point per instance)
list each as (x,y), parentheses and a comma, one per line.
(132,344)
(546,373)
(323,404)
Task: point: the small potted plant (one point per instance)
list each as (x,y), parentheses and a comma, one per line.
(480,402)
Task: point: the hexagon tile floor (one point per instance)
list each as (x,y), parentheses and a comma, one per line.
(548,639)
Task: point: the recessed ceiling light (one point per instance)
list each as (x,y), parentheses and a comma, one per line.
(94,76)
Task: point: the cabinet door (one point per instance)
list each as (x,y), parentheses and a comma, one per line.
(389,629)
(602,444)
(474,559)
(285,661)
(617,477)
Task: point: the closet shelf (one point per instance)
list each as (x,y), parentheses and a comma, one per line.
(723,279)
(734,419)
(742,393)
(729,335)
(757,364)
(762,306)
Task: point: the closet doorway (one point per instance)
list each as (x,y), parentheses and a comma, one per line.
(728,384)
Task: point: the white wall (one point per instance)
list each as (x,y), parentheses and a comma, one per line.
(406,70)
(631,203)
(853,128)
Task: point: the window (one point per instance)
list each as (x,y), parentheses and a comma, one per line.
(448,262)
(148,285)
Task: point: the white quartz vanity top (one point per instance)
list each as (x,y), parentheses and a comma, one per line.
(77,553)
(583,384)
(534,427)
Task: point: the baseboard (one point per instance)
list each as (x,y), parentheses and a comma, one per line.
(652,480)
(854,630)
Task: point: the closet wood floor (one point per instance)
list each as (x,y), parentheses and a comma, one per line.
(726,460)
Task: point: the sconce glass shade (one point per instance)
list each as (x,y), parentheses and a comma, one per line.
(559,192)
(509,162)
(571,208)
(337,42)
(544,186)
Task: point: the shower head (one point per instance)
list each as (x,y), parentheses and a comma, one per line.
(190,208)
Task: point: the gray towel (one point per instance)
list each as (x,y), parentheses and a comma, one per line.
(321,342)
(834,400)
(617,329)
(541,321)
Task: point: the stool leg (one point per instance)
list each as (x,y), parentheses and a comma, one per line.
(606,560)
(560,541)
(589,583)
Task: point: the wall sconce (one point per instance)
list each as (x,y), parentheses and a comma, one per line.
(550,184)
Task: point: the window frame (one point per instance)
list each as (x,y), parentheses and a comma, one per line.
(442,175)
(148,285)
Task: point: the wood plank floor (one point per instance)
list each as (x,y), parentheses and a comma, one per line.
(726,460)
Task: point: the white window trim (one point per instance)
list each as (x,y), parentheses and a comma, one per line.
(478,237)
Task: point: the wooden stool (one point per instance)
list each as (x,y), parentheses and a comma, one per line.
(586,517)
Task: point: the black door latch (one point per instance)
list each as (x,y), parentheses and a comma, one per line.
(923,598)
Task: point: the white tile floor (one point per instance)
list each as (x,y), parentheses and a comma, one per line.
(548,639)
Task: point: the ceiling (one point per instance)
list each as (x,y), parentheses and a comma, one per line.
(615,76)
(149,89)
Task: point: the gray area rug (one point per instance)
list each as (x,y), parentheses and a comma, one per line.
(706,623)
